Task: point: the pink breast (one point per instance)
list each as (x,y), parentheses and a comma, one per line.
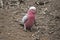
(30,22)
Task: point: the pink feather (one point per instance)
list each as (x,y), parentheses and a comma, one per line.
(31,17)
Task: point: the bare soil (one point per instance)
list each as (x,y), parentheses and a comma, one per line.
(48,22)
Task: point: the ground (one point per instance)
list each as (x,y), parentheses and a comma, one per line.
(48,21)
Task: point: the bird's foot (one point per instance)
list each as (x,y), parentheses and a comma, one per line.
(25,30)
(31,30)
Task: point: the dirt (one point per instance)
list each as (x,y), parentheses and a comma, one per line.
(47,17)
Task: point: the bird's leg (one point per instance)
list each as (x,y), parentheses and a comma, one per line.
(25,28)
(30,29)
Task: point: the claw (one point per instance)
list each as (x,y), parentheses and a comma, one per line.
(25,30)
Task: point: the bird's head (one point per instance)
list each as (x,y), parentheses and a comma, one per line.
(32,9)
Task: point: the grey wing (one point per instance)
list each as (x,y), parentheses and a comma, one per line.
(24,19)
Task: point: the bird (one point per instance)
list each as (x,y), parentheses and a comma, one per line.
(29,19)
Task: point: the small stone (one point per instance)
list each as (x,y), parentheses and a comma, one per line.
(50,13)
(32,35)
(39,3)
(45,9)
(8,33)
(44,13)
(51,32)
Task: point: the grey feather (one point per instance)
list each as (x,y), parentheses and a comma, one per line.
(24,19)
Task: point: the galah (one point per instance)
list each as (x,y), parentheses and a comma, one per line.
(29,19)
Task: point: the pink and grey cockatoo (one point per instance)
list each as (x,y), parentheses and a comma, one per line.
(29,19)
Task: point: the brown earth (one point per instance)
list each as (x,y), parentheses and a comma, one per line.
(49,22)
